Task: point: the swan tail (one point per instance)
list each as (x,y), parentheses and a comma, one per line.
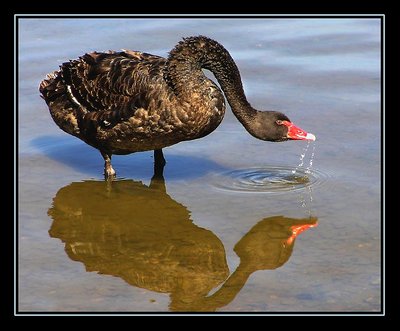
(63,111)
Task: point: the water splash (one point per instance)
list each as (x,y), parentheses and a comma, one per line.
(305,149)
(308,170)
(306,199)
(268,179)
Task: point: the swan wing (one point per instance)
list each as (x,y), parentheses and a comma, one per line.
(112,86)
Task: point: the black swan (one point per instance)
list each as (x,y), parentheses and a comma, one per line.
(128,101)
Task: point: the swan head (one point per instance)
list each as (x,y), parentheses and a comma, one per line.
(276,126)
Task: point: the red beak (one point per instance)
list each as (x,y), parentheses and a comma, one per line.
(296,133)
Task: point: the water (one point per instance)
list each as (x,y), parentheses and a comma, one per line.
(231,228)
(271,179)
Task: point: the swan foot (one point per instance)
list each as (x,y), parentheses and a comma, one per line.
(109,172)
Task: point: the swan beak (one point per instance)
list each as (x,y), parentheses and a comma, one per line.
(296,133)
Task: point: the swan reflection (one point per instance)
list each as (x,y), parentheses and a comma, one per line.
(140,234)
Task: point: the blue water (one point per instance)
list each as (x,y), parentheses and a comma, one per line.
(323,73)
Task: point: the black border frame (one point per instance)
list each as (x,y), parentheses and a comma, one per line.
(15,19)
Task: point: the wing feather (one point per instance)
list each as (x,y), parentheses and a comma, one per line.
(111,86)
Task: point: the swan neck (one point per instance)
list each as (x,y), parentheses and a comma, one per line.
(184,73)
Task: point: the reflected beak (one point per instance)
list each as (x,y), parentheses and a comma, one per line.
(295,133)
(297,229)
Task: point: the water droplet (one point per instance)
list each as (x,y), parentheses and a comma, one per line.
(302,155)
(308,170)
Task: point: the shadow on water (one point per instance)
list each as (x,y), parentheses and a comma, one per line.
(87,159)
(140,234)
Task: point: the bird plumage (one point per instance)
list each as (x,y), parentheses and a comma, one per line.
(120,102)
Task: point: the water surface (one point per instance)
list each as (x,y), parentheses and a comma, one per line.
(230,227)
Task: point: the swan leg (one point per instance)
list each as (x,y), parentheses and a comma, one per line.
(159,163)
(109,171)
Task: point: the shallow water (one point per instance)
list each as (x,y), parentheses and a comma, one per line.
(231,228)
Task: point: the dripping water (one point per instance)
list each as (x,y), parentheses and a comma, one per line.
(302,155)
(308,170)
(306,199)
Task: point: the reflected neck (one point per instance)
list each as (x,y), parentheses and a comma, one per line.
(229,289)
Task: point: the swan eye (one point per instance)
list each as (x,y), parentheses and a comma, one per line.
(283,122)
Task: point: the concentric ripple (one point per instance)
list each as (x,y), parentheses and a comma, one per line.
(269,179)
